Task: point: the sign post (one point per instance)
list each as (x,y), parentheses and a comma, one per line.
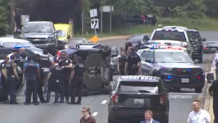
(109,9)
(94,24)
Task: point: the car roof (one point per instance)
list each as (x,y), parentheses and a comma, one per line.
(138,78)
(162,50)
(39,22)
(10,39)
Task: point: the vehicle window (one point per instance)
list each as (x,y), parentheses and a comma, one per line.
(212,43)
(150,55)
(193,36)
(137,37)
(169,35)
(62,33)
(147,87)
(172,57)
(12,44)
(37,28)
(144,55)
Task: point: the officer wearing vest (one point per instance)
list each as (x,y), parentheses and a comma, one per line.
(76,81)
(32,72)
(121,63)
(12,75)
(54,82)
(213,90)
(45,63)
(132,65)
(4,85)
(40,81)
(66,65)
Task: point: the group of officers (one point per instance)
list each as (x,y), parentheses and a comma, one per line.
(64,77)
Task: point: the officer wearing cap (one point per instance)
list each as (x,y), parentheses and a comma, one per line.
(76,81)
(132,65)
(121,62)
(32,72)
(4,83)
(66,66)
(12,74)
(45,63)
(54,82)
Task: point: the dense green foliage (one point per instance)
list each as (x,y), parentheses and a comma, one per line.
(61,10)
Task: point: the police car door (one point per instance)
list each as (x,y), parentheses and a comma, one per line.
(149,62)
(144,63)
(189,45)
(92,78)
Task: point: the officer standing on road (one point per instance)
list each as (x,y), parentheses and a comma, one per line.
(76,81)
(45,63)
(121,63)
(66,66)
(132,65)
(213,90)
(40,81)
(32,72)
(54,84)
(4,83)
(12,75)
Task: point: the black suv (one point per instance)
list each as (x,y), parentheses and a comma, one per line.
(42,34)
(132,95)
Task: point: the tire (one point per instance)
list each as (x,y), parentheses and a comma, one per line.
(198,90)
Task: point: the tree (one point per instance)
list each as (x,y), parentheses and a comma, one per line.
(4,26)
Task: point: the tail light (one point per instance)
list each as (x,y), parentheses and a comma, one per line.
(205,48)
(115,98)
(162,99)
(199,77)
(58,54)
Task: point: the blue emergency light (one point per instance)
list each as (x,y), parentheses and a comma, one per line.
(169,77)
(189,69)
(18,46)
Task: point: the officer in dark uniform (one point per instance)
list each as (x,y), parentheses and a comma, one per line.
(76,84)
(121,63)
(32,72)
(132,65)
(66,66)
(12,75)
(216,70)
(54,84)
(45,63)
(4,83)
(213,90)
(40,81)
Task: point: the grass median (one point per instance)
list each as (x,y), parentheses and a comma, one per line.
(200,24)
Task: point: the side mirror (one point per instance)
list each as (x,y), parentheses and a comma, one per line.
(57,31)
(203,39)
(68,37)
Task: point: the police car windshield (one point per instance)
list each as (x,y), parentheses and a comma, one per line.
(172,57)
(147,87)
(37,28)
(13,44)
(169,35)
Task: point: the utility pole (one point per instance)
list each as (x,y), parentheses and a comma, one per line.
(12,5)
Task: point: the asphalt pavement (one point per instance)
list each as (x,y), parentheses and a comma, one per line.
(180,103)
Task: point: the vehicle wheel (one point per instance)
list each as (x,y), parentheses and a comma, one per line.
(198,90)
(200,60)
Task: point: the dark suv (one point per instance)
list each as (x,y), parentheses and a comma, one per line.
(132,95)
(42,34)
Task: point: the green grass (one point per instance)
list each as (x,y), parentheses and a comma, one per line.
(204,24)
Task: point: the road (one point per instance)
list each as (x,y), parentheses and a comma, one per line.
(180,103)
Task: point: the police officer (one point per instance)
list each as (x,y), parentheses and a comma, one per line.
(56,75)
(4,83)
(12,75)
(121,63)
(45,63)
(213,90)
(132,65)
(76,84)
(40,81)
(66,66)
(32,72)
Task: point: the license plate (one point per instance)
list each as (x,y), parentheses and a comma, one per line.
(185,80)
(213,48)
(45,69)
(138,101)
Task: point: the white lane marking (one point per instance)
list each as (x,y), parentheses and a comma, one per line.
(104,102)
(95,114)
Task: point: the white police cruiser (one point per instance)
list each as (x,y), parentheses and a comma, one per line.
(173,66)
(181,36)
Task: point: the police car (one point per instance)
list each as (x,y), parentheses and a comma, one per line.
(132,95)
(178,34)
(175,67)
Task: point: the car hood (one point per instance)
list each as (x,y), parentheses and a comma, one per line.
(178,65)
(37,35)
